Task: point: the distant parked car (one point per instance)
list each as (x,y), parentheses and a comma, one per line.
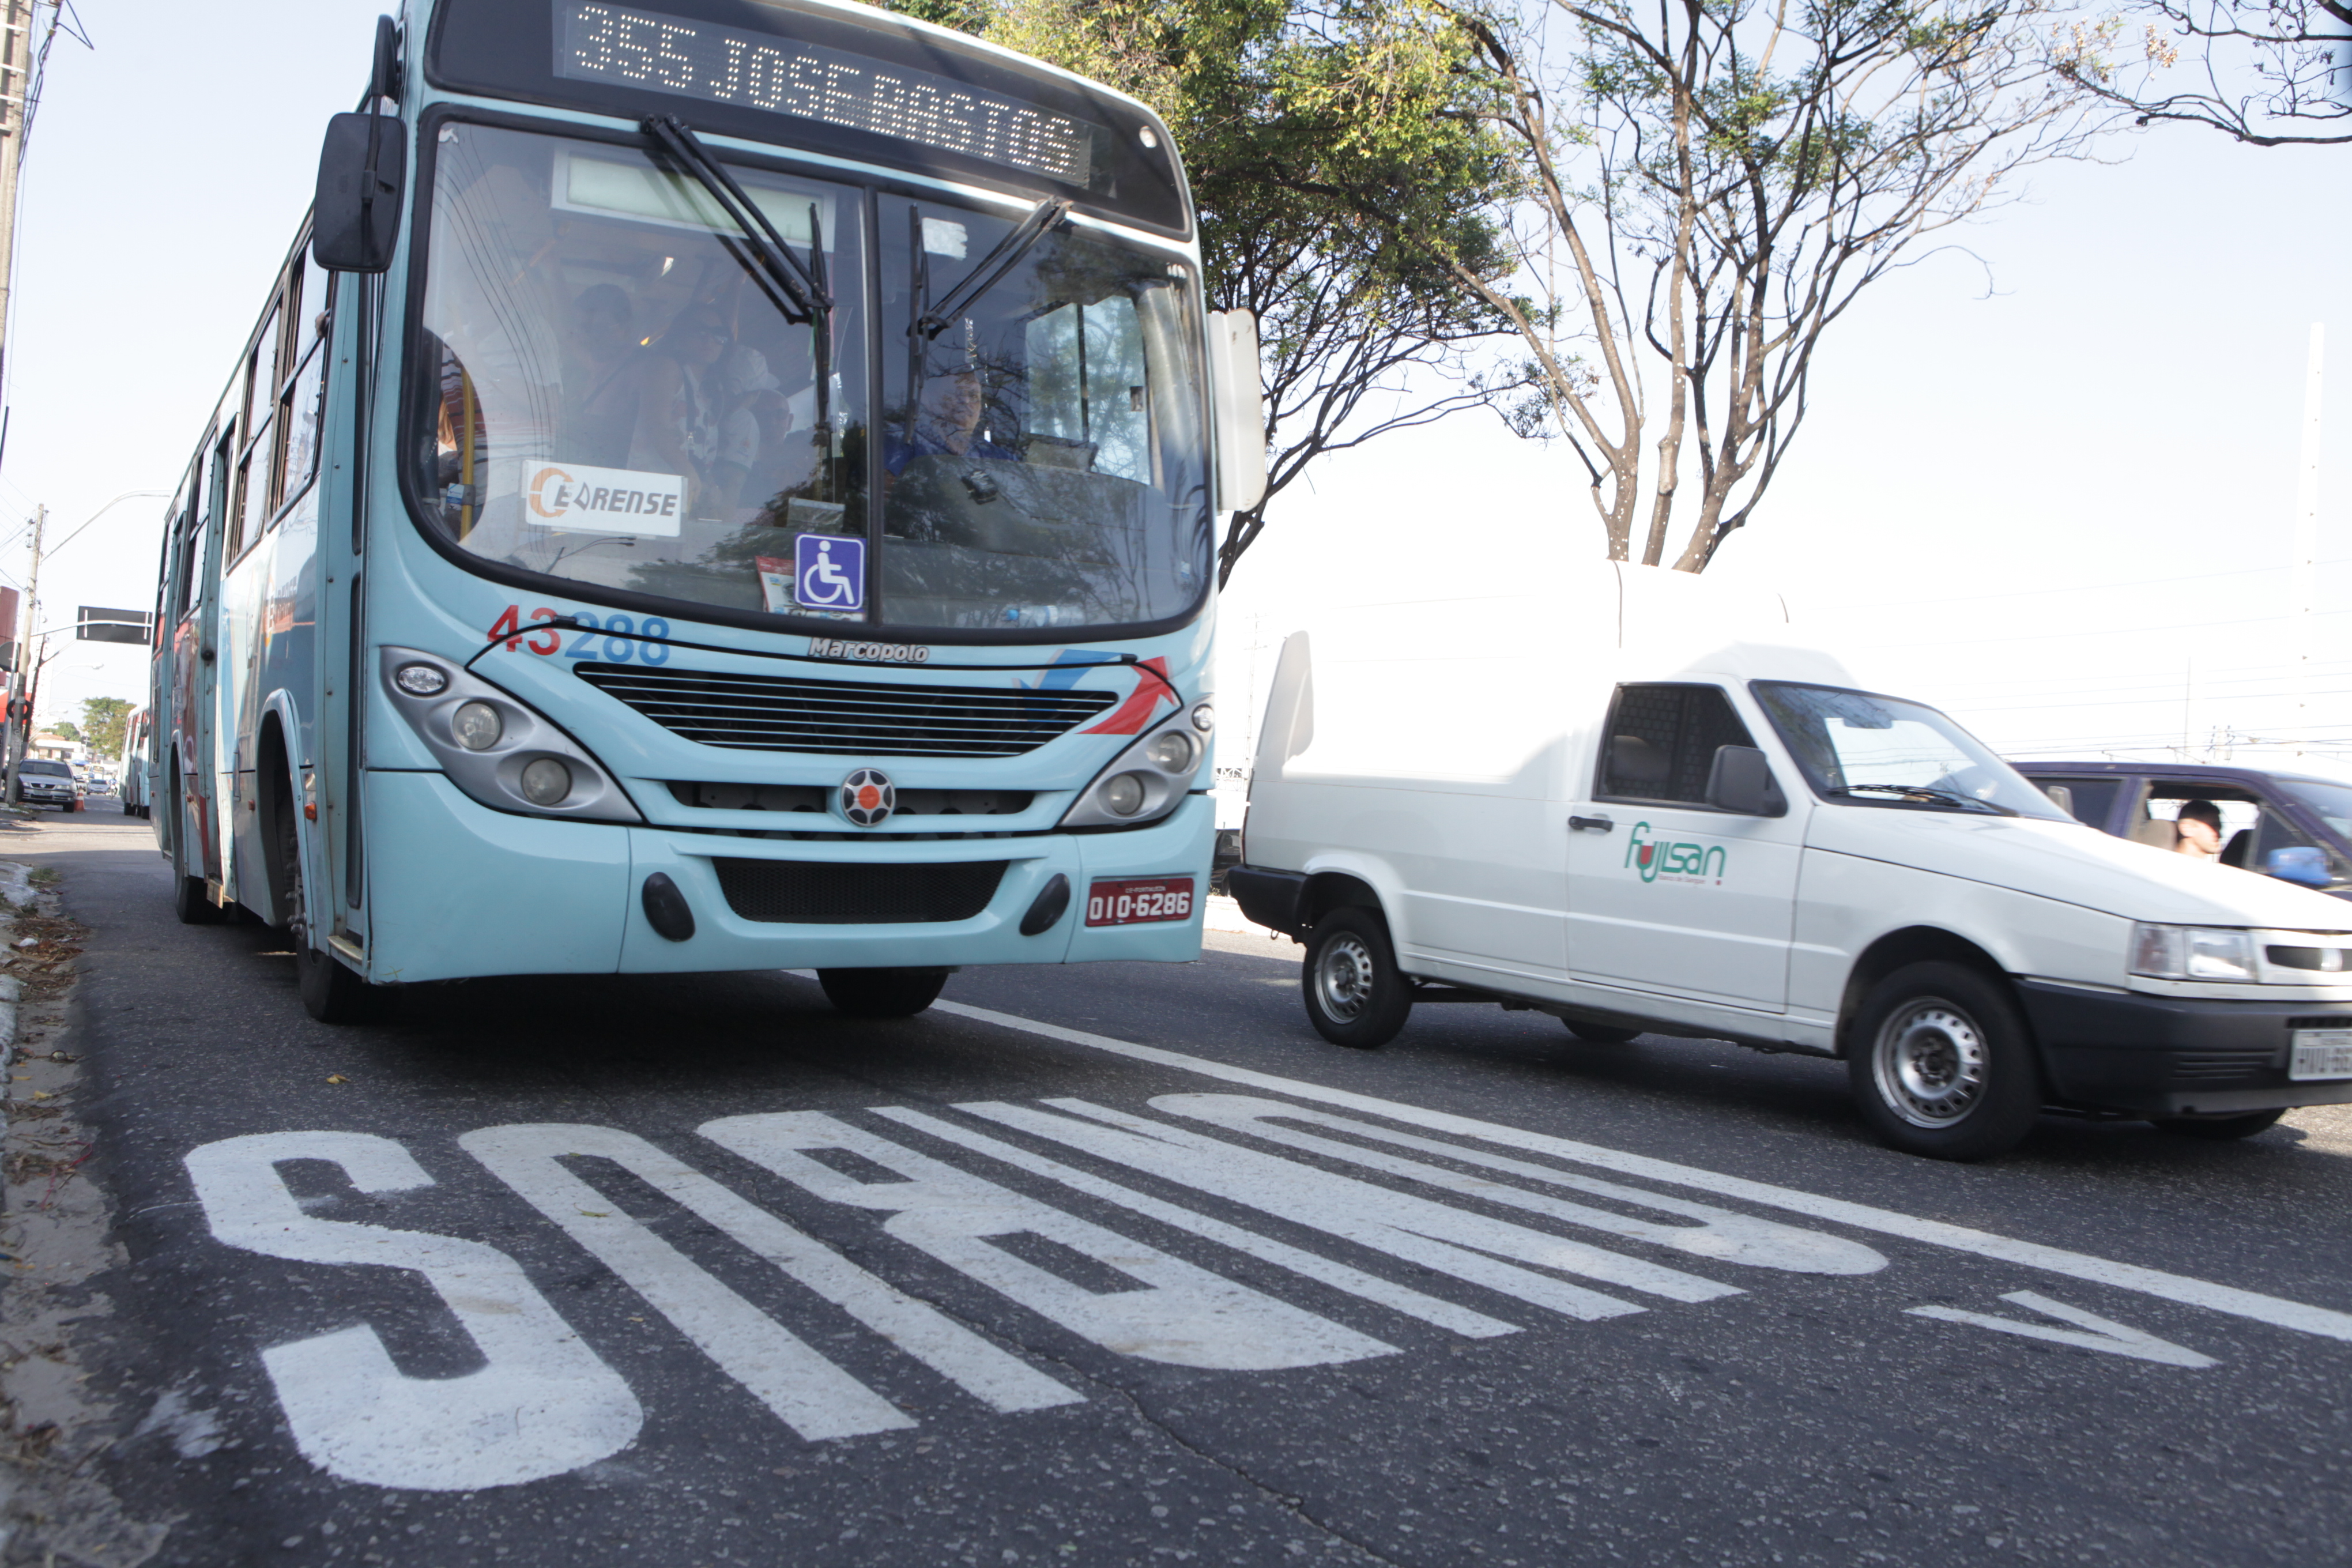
(2290,825)
(40,782)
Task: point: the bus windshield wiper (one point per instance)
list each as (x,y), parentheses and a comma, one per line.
(800,290)
(1926,792)
(804,283)
(932,320)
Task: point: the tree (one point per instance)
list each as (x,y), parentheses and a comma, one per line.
(105,722)
(64,730)
(1706,187)
(2294,55)
(1291,114)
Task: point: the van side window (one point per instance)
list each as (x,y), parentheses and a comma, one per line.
(1661,742)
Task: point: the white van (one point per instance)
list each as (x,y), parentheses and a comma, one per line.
(1623,803)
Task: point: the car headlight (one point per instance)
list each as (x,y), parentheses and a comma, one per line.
(506,755)
(1147,780)
(2192,952)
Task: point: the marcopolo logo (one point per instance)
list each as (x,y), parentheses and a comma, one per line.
(1696,864)
(606,500)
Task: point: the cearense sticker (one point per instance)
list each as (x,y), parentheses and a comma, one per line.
(606,500)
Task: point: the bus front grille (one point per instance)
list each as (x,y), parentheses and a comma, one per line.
(845,718)
(823,893)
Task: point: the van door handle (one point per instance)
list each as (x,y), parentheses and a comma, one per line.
(1598,824)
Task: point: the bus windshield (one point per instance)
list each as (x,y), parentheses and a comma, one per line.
(612,392)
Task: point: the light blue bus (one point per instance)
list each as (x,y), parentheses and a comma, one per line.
(724,486)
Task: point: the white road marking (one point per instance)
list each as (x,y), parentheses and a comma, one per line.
(808,1392)
(543,1404)
(2252,1304)
(1184,1315)
(996,1377)
(1719,1233)
(2093,1333)
(1430,1234)
(1338,1275)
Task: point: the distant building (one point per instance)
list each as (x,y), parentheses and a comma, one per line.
(56,748)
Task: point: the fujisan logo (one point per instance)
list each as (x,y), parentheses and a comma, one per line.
(1696,864)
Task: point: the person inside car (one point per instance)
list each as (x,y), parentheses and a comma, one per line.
(2196,832)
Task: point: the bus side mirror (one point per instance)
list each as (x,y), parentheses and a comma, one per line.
(1240,409)
(363,170)
(1741,780)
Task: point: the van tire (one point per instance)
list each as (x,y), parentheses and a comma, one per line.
(1601,1034)
(1940,1064)
(1355,995)
(2220,1129)
(882,993)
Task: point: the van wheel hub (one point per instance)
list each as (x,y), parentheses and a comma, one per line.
(1931,1062)
(1343,976)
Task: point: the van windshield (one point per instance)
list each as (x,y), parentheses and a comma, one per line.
(1859,749)
(2331,803)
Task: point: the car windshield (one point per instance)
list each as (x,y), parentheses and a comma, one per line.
(1862,749)
(47,770)
(2331,803)
(610,390)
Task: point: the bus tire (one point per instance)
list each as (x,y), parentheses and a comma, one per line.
(882,993)
(1356,997)
(1940,1064)
(331,993)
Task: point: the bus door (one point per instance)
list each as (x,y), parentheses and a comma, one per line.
(195,663)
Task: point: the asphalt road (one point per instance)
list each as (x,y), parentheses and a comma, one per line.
(1123,1265)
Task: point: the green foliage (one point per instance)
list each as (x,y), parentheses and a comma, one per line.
(105,722)
(64,729)
(1300,120)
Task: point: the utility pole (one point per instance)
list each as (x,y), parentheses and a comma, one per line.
(20,680)
(16,88)
(2306,534)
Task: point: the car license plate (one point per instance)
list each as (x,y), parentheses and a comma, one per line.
(2321,1053)
(1138,901)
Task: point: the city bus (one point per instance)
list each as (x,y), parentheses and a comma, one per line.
(136,746)
(719,487)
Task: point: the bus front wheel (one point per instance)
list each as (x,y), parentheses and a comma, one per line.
(882,993)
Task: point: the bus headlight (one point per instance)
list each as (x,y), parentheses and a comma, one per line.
(1172,751)
(495,749)
(476,725)
(545,782)
(1149,779)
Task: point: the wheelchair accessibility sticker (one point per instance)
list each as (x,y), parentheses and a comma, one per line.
(829,571)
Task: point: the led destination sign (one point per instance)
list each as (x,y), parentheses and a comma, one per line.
(703,60)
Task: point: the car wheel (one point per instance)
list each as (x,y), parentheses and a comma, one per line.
(882,993)
(1600,1034)
(1356,997)
(1940,1065)
(2220,1129)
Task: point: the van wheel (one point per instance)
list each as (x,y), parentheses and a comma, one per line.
(882,993)
(2220,1129)
(1600,1034)
(1355,995)
(1941,1066)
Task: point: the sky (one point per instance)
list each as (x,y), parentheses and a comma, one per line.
(2048,484)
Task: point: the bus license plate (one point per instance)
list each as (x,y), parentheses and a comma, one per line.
(2321,1053)
(1135,902)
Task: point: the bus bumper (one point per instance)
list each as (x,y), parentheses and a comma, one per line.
(457,890)
(1178,846)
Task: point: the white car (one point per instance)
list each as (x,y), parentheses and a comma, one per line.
(1612,801)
